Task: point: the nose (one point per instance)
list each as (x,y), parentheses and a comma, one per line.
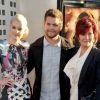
(17,31)
(51,27)
(87,36)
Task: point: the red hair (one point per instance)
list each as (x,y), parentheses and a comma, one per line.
(84,24)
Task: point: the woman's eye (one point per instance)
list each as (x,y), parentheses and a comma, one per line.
(90,33)
(83,33)
(20,29)
(13,27)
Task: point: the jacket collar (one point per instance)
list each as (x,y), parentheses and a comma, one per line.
(64,43)
(46,43)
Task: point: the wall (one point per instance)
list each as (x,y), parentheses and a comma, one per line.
(34,11)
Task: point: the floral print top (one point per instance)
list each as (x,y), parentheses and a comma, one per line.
(13,61)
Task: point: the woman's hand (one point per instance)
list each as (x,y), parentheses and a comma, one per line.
(6,81)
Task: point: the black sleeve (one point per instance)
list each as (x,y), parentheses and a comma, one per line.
(97,75)
(30,60)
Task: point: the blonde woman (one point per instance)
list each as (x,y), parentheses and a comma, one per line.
(13,55)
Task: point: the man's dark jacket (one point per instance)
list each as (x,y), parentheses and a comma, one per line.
(35,57)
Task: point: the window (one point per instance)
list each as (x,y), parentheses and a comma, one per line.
(2,2)
(0,22)
(4,32)
(11,4)
(14,13)
(15,4)
(4,22)
(3,12)
(0,12)
(11,13)
(0,32)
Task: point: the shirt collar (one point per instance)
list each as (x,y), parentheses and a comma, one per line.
(46,43)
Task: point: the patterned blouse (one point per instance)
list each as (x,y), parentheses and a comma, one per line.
(13,61)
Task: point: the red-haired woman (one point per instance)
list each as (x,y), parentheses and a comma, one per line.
(83,66)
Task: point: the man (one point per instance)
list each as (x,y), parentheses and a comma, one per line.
(48,56)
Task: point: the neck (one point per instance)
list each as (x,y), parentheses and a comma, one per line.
(83,50)
(14,42)
(54,40)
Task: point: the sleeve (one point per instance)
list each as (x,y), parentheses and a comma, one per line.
(98,76)
(30,60)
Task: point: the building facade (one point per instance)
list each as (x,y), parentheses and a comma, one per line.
(8,9)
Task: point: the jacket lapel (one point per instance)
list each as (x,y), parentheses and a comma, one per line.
(39,53)
(64,46)
(86,64)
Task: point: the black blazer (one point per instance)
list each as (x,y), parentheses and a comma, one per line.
(35,55)
(90,74)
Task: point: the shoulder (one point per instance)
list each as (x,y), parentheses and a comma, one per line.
(38,42)
(96,51)
(65,43)
(4,45)
(24,44)
(36,46)
(72,51)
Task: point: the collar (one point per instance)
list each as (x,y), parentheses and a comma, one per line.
(46,43)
